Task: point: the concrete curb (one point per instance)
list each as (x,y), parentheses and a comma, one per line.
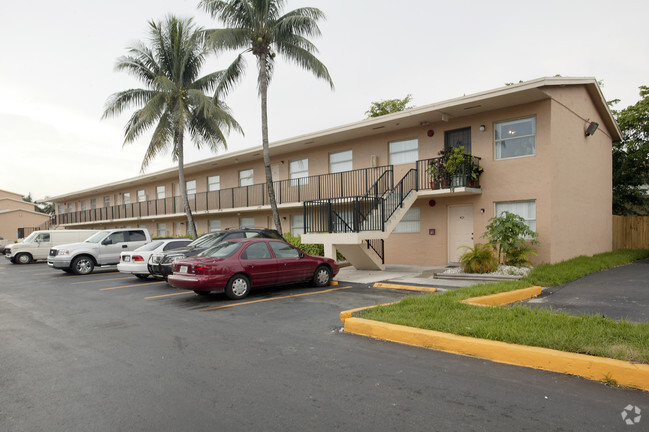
(591,367)
(586,366)
(504,297)
(404,287)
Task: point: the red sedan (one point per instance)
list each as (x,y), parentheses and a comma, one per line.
(236,266)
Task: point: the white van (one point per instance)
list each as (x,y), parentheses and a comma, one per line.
(38,244)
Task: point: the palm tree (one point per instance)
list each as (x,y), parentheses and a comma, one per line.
(257,26)
(174,98)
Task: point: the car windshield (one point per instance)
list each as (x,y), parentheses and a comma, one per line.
(208,240)
(221,250)
(30,238)
(97,237)
(150,246)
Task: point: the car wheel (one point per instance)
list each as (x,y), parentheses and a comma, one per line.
(238,287)
(202,293)
(142,276)
(322,276)
(23,258)
(83,265)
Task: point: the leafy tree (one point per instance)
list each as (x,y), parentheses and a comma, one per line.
(631,159)
(508,234)
(258,26)
(173,100)
(389,106)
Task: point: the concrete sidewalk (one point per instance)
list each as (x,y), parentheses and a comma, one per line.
(401,274)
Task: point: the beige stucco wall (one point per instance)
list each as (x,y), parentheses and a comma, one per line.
(581,180)
(12,220)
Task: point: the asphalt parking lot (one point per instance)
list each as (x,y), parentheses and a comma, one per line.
(109,352)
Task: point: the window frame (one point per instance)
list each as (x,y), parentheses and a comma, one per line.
(402,228)
(400,152)
(344,161)
(210,184)
(527,219)
(498,124)
(297,177)
(251,177)
(161,190)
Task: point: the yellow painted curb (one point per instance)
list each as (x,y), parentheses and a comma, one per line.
(404,287)
(348,313)
(591,367)
(333,282)
(504,297)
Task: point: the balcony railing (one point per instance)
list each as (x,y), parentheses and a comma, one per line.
(343,184)
(433,174)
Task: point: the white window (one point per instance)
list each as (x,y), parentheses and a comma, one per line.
(70,210)
(127,198)
(515,138)
(403,152)
(191,189)
(299,169)
(83,205)
(213,183)
(247,222)
(60,209)
(162,230)
(141,195)
(524,209)
(410,222)
(214,225)
(107,201)
(297,224)
(246,177)
(93,203)
(341,161)
(160,192)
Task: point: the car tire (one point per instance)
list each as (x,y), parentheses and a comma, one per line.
(322,276)
(83,265)
(23,258)
(238,287)
(142,276)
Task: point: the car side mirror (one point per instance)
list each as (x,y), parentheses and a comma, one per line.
(301,254)
(107,242)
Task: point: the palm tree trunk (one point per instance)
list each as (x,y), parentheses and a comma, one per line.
(191,227)
(264,136)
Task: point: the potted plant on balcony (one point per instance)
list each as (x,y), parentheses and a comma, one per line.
(462,168)
(437,169)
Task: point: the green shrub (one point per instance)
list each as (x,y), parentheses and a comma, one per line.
(309,249)
(479,259)
(509,233)
(519,256)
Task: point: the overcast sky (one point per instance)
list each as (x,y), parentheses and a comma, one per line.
(58,62)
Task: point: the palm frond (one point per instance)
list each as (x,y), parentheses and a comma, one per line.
(305,60)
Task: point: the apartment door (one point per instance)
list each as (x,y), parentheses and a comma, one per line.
(460,230)
(274,171)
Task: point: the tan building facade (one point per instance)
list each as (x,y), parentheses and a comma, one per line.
(530,140)
(16,213)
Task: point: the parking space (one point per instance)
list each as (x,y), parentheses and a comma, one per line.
(112,352)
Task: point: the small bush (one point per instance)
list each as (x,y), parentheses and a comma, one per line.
(479,259)
(519,256)
(309,249)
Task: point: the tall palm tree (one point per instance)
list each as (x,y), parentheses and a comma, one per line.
(257,26)
(174,98)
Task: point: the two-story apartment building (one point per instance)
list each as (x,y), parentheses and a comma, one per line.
(368,189)
(16,214)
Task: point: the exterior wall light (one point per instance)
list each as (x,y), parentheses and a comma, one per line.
(483,128)
(592,127)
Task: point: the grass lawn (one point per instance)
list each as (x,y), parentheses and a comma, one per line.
(518,324)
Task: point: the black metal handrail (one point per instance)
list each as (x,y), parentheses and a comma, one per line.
(343,184)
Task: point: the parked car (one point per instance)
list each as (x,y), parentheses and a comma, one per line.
(102,249)
(135,262)
(37,245)
(160,263)
(236,266)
